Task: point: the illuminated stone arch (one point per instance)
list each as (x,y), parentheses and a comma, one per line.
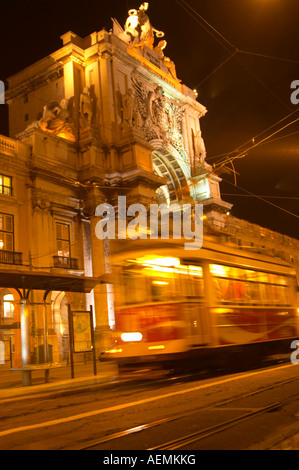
(168,163)
(59,308)
(8,311)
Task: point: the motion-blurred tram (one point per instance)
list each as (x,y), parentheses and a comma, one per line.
(190,308)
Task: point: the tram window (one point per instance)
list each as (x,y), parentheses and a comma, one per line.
(195,287)
(161,283)
(195,281)
(191,278)
(134,289)
(161,289)
(281,293)
(269,293)
(164,286)
(237,285)
(192,286)
(230,290)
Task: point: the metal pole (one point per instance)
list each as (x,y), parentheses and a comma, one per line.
(10,352)
(46,358)
(25,337)
(93,342)
(71,340)
(46,350)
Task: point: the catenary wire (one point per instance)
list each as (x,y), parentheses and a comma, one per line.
(224,42)
(262,199)
(241,154)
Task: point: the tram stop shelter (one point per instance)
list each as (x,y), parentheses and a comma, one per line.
(24,282)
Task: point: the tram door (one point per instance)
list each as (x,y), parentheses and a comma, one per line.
(195,318)
(195,309)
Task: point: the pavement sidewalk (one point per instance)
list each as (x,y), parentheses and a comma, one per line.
(60,380)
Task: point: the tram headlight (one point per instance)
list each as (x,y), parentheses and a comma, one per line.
(113,351)
(128,337)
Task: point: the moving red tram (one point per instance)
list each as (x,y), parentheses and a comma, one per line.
(174,306)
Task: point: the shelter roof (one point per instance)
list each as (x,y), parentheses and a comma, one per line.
(47,281)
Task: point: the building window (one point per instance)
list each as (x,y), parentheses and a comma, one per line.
(63,240)
(6,232)
(5,185)
(8,306)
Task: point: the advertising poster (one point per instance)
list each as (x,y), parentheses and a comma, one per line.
(82,332)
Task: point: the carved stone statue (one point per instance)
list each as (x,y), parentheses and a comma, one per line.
(57,120)
(156,105)
(166,60)
(146,30)
(127,107)
(86,107)
(138,29)
(199,149)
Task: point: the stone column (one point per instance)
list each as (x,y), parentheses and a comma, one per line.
(99,250)
(25,338)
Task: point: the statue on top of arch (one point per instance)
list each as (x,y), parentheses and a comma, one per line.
(138,29)
(138,32)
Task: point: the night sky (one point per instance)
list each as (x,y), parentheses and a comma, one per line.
(246,93)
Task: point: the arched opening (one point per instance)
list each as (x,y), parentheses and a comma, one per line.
(59,307)
(8,306)
(172,166)
(8,316)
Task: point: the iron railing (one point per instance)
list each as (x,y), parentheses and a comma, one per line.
(65,262)
(10,257)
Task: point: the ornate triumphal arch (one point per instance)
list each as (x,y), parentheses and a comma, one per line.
(117,97)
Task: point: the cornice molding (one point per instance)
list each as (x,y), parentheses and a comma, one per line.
(27,86)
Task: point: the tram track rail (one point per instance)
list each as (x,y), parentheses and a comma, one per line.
(201,434)
(212,430)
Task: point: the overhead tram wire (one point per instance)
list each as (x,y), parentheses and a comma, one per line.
(252,139)
(241,154)
(264,143)
(229,160)
(225,44)
(232,50)
(262,199)
(271,57)
(251,194)
(263,196)
(183,4)
(229,46)
(216,69)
